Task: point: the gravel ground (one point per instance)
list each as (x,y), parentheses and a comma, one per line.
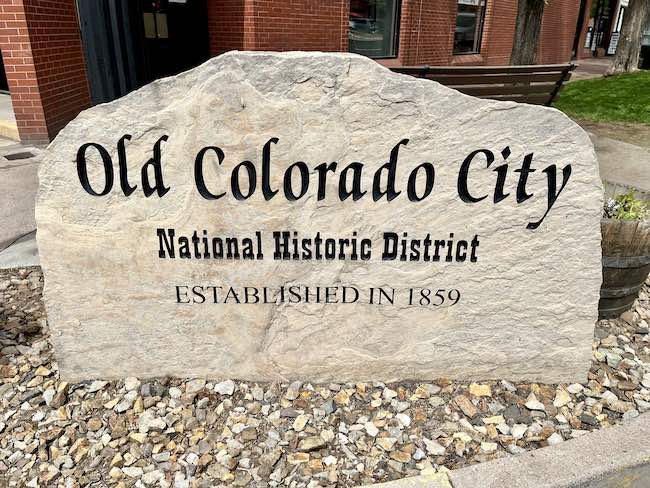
(198,433)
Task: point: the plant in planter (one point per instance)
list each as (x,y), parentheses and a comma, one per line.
(626,253)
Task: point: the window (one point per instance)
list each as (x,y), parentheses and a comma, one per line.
(469,26)
(373,27)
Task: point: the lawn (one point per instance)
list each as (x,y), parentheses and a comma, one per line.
(622,98)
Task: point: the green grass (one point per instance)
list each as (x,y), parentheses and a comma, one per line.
(620,98)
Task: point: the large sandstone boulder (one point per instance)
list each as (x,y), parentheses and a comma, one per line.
(513,294)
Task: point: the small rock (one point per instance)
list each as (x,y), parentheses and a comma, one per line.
(626,386)
(42,371)
(94,424)
(575,388)
(138,437)
(297,458)
(96,386)
(433,448)
(628,317)
(400,456)
(462,436)
(562,397)
(152,477)
(48,395)
(480,390)
(294,390)
(554,439)
(225,387)
(488,446)
(249,434)
(194,386)
(404,419)
(342,398)
(300,422)
(386,443)
(133,472)
(148,421)
(588,419)
(497,419)
(371,429)
(466,406)
(311,443)
(8,371)
(59,398)
(518,430)
(126,402)
(532,403)
(389,394)
(131,383)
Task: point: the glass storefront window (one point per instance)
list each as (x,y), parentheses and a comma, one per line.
(469,26)
(373,27)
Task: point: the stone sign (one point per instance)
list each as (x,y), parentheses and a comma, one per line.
(306,215)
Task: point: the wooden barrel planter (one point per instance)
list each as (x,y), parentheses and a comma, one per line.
(626,264)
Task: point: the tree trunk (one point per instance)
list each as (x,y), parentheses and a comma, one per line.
(529,23)
(635,19)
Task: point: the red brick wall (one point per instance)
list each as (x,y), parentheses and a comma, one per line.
(272,25)
(44,61)
(582,51)
(230,24)
(426,31)
(558,31)
(43,57)
(21,72)
(499,31)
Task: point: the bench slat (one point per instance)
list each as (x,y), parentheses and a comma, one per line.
(507,79)
(535,98)
(488,90)
(477,70)
(529,84)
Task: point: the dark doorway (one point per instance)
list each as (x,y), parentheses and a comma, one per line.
(4,85)
(175,36)
(130,43)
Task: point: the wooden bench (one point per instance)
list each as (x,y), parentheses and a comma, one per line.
(537,84)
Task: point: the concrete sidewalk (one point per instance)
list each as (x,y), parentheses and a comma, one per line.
(591,68)
(8,127)
(622,165)
(18,186)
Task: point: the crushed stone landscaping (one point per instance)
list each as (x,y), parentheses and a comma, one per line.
(203,433)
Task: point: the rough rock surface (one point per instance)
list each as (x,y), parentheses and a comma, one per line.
(527,306)
(197,433)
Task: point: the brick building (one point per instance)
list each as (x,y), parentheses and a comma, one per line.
(61,56)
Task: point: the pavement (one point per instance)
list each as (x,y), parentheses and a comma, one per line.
(18,186)
(623,166)
(591,68)
(22,252)
(8,127)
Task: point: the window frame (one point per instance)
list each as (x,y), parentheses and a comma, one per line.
(480,31)
(396,34)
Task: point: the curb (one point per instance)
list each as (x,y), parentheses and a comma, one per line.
(434,480)
(615,456)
